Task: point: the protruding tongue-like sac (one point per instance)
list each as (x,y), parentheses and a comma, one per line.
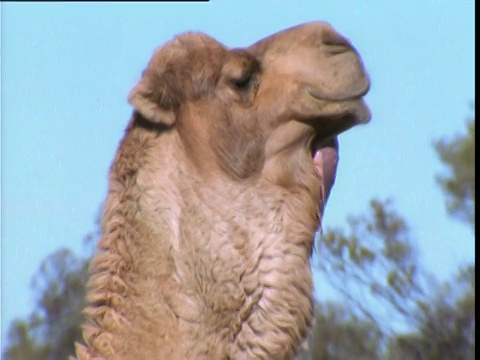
(325,158)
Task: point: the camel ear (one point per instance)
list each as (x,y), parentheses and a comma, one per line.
(154,103)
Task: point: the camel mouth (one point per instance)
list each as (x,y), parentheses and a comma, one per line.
(325,160)
(329,127)
(324,145)
(339,115)
(357,94)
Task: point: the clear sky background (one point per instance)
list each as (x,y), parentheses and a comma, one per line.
(67,69)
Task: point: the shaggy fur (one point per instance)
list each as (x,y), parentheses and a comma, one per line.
(215,197)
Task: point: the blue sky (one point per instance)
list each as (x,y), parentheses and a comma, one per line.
(67,69)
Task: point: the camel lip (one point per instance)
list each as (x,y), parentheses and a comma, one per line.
(339,116)
(357,95)
(329,127)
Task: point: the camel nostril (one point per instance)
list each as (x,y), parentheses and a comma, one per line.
(335,42)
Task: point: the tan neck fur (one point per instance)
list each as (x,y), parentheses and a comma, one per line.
(185,260)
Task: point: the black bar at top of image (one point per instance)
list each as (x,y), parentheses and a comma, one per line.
(54,1)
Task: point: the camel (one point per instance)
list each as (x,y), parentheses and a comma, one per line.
(215,195)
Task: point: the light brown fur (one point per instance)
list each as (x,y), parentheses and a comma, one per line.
(214,199)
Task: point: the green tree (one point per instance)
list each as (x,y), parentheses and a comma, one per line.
(458,180)
(49,333)
(341,335)
(374,265)
(54,326)
(376,268)
(445,325)
(22,346)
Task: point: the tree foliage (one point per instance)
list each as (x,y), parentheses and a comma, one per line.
(54,326)
(341,335)
(22,345)
(445,325)
(375,262)
(458,181)
(387,291)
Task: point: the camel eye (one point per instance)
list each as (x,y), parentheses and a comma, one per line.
(242,83)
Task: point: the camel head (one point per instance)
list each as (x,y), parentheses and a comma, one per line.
(272,110)
(215,195)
